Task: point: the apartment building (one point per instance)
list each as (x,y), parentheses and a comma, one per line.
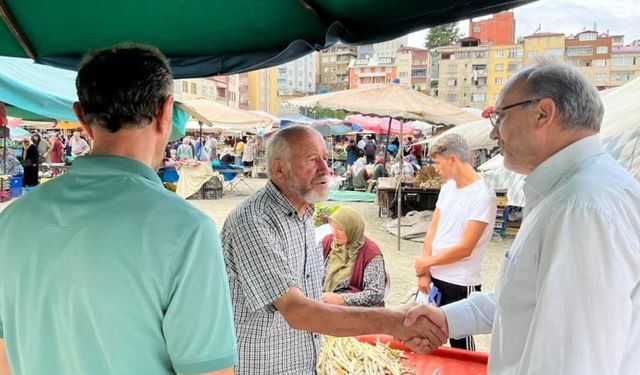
(543,45)
(504,61)
(367,72)
(214,88)
(624,67)
(499,29)
(414,67)
(263,91)
(464,73)
(333,68)
(298,76)
(591,52)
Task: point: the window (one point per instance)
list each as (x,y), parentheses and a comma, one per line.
(599,62)
(500,53)
(625,76)
(419,73)
(579,51)
(451,68)
(403,75)
(601,77)
(479,97)
(451,98)
(515,52)
(553,52)
(452,82)
(499,67)
(325,69)
(602,49)
(480,54)
(403,62)
(532,54)
(461,55)
(513,68)
(185,86)
(588,36)
(193,88)
(499,80)
(623,61)
(476,29)
(417,62)
(325,59)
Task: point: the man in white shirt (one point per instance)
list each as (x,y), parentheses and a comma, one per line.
(79,147)
(567,299)
(461,227)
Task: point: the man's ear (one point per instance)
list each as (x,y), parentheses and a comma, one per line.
(77,109)
(164,118)
(547,112)
(278,168)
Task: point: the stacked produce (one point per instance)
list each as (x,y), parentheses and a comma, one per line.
(349,356)
(428,178)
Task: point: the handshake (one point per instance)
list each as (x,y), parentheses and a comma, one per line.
(423,329)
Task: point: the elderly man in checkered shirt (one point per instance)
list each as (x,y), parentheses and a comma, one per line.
(275,268)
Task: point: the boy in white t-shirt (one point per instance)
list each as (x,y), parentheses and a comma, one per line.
(461,227)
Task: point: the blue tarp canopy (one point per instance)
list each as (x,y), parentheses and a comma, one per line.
(38,90)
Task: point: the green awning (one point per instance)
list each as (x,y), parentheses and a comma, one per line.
(210,37)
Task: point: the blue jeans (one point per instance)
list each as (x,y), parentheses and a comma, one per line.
(239,160)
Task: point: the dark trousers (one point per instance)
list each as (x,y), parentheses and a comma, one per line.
(452,293)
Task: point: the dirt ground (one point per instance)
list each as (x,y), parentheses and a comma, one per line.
(399,263)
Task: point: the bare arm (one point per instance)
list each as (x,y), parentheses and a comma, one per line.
(424,279)
(4,360)
(307,314)
(431,234)
(470,237)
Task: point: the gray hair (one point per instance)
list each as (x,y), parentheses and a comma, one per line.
(577,99)
(451,144)
(279,146)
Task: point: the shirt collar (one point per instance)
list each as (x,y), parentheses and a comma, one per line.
(284,204)
(547,174)
(102,163)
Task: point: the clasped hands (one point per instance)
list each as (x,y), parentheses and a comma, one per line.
(424,328)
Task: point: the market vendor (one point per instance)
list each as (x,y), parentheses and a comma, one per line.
(354,268)
(275,271)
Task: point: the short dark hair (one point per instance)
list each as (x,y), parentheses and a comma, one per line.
(124,85)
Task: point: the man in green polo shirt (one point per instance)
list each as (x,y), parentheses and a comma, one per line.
(117,275)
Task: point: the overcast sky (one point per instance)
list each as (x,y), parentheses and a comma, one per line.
(620,17)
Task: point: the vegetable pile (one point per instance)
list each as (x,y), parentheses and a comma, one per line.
(348,356)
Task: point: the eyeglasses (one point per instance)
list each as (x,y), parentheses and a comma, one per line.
(495,117)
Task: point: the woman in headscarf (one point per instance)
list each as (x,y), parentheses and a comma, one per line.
(354,268)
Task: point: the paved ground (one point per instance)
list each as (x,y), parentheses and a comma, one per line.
(399,263)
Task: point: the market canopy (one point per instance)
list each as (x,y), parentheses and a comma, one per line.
(224,117)
(211,37)
(38,92)
(390,100)
(378,125)
(476,133)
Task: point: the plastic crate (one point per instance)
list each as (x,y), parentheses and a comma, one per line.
(16,192)
(16,182)
(5,196)
(446,360)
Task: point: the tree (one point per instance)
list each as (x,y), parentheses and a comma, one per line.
(442,35)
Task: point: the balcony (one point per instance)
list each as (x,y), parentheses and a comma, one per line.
(372,74)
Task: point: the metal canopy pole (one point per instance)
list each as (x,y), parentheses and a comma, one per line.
(399,191)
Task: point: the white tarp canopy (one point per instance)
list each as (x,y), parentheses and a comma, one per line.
(476,134)
(223,117)
(620,134)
